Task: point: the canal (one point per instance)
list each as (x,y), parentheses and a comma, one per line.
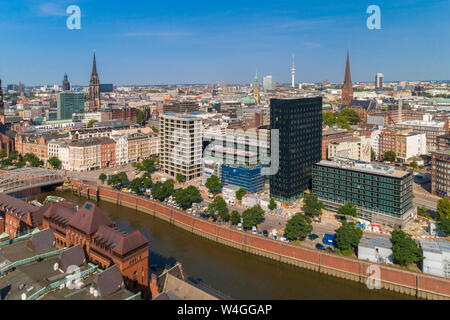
(234,273)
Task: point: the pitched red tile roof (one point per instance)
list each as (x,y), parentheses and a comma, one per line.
(89,218)
(60,211)
(16,207)
(130,242)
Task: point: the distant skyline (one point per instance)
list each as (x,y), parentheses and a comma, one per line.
(145,42)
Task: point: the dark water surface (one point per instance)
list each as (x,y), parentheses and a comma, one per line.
(234,273)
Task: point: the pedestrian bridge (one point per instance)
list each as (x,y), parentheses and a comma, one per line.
(27,178)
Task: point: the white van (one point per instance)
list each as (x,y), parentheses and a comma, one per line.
(254,231)
(239,226)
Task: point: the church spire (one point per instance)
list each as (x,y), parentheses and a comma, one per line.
(94,89)
(94,66)
(347,88)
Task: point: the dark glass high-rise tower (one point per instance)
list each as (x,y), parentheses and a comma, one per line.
(299,122)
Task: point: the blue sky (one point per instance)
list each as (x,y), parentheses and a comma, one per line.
(168,42)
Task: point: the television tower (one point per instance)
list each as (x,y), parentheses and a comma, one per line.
(293,72)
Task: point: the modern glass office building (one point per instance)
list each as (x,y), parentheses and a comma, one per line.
(69,103)
(382,194)
(249,178)
(299,122)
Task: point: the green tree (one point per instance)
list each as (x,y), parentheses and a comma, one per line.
(443,208)
(235,217)
(91,123)
(147,165)
(113,180)
(348,209)
(54,162)
(372,154)
(350,115)
(32,159)
(311,205)
(348,236)
(389,156)
(404,248)
(136,165)
(146,181)
(180,178)
(413,165)
(140,117)
(3,153)
(251,217)
(154,129)
(343,123)
(185,197)
(136,184)
(444,226)
(20,164)
(162,190)
(298,227)
(123,177)
(272,204)
(218,208)
(102,177)
(240,193)
(213,184)
(329,118)
(14,155)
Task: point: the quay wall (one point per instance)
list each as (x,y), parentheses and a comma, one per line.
(391,278)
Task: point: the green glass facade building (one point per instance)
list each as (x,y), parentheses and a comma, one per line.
(299,122)
(381,195)
(69,103)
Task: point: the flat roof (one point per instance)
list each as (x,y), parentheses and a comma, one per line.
(365,167)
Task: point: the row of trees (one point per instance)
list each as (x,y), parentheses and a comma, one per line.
(14,158)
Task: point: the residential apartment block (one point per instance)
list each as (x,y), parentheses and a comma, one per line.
(181,145)
(405,143)
(357,148)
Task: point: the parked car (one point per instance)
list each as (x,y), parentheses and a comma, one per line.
(320,247)
(313,236)
(254,230)
(284,239)
(265,233)
(239,226)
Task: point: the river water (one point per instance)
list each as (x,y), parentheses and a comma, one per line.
(232,272)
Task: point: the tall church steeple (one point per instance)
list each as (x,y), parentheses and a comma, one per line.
(347,88)
(94,89)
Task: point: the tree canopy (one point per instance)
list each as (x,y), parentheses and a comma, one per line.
(185,197)
(444,226)
(251,217)
(298,227)
(91,123)
(329,118)
(180,177)
(162,190)
(404,248)
(272,204)
(443,208)
(235,217)
(32,159)
(102,177)
(3,153)
(348,236)
(389,156)
(116,179)
(54,162)
(311,205)
(350,116)
(348,209)
(218,208)
(140,117)
(143,182)
(240,193)
(213,183)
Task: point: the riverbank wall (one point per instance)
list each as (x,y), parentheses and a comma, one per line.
(390,278)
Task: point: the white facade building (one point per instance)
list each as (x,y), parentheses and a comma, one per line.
(357,148)
(121,148)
